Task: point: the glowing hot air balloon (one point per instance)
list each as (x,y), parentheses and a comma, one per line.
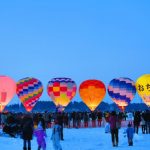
(122,91)
(29,90)
(61,91)
(143,88)
(7,91)
(92,93)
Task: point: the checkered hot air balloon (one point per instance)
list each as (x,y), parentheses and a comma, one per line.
(92,93)
(122,91)
(7,91)
(61,91)
(29,90)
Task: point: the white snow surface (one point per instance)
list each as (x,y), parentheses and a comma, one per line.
(83,139)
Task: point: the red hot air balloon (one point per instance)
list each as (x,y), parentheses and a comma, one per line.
(29,90)
(7,91)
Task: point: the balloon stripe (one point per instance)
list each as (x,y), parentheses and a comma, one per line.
(122,91)
(29,90)
(28,95)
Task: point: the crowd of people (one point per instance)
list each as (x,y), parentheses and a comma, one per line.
(27,125)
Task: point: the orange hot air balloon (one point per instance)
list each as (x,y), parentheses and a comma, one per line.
(92,93)
(7,91)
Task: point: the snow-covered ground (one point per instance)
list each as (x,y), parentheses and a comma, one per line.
(83,139)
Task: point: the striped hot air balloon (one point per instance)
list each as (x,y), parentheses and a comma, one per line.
(61,91)
(122,91)
(29,90)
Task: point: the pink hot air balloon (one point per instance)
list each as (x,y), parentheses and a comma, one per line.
(7,91)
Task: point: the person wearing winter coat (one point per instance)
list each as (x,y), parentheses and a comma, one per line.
(137,120)
(130,134)
(99,116)
(143,124)
(27,131)
(86,120)
(60,120)
(93,117)
(107,128)
(113,120)
(56,136)
(147,119)
(40,134)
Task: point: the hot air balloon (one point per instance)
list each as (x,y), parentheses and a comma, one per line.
(122,91)
(92,93)
(7,91)
(29,90)
(61,91)
(143,88)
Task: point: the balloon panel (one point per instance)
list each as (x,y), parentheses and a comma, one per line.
(29,90)
(143,88)
(92,93)
(61,90)
(7,91)
(122,91)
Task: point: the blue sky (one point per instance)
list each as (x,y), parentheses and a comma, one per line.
(81,39)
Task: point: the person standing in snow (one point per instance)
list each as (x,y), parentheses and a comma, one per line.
(93,117)
(130,133)
(99,117)
(113,120)
(147,119)
(107,128)
(86,120)
(60,120)
(56,136)
(27,131)
(137,120)
(40,134)
(143,123)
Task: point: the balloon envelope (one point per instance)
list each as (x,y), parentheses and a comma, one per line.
(122,91)
(29,90)
(143,88)
(92,93)
(61,91)
(7,91)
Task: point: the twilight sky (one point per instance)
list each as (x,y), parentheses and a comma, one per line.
(80,39)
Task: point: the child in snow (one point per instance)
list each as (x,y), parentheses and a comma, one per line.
(130,133)
(40,134)
(107,128)
(56,136)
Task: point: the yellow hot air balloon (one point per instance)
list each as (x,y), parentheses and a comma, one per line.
(92,93)
(143,88)
(62,91)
